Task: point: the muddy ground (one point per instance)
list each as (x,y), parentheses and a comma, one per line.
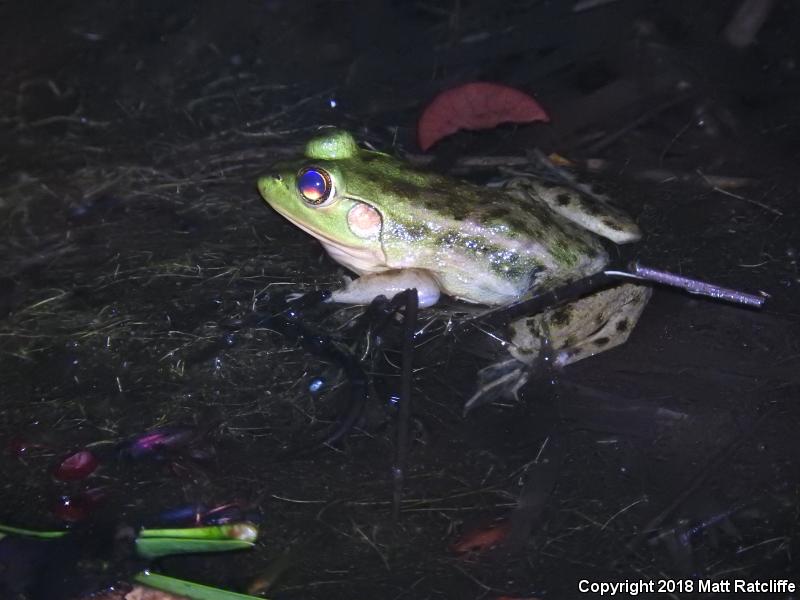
(135,247)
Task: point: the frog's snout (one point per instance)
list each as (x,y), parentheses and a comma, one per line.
(270,178)
(261,185)
(268,182)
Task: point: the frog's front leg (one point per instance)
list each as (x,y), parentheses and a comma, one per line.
(389,283)
(582,328)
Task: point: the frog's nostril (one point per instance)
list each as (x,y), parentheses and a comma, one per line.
(277,178)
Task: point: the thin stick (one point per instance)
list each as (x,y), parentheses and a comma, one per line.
(404,408)
(695,286)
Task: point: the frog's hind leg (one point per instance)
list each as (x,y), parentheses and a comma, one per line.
(593,324)
(561,336)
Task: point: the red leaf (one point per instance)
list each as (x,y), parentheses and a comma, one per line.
(76,466)
(481,540)
(477,105)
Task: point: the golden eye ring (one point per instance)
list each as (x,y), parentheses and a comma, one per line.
(315,186)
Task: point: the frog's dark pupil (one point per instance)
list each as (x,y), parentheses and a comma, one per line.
(314,185)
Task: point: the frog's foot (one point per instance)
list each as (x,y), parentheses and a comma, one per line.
(561,336)
(498,381)
(614,328)
(582,328)
(389,283)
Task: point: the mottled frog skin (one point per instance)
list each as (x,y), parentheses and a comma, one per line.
(398,227)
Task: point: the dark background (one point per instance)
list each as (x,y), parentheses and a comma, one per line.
(132,134)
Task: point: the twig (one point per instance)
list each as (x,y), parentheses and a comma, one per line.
(373,545)
(743,28)
(404,412)
(766,207)
(622,510)
(583,5)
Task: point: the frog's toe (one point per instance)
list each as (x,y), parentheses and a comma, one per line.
(498,381)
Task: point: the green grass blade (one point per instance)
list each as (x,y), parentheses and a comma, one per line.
(232,531)
(47,535)
(157,547)
(192,590)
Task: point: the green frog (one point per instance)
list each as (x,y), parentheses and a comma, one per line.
(398,228)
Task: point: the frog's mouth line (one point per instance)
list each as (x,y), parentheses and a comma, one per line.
(357,259)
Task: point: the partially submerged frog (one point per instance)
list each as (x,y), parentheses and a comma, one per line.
(399,228)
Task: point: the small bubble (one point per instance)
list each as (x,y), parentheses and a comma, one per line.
(316,385)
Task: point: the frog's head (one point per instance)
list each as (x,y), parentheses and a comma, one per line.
(313,195)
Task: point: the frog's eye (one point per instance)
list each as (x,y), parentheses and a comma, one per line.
(315,185)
